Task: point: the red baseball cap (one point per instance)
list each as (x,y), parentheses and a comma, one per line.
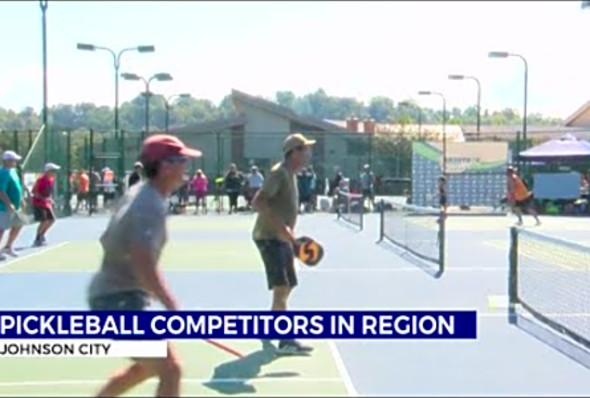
(162,146)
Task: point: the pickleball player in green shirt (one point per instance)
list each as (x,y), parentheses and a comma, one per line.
(11,201)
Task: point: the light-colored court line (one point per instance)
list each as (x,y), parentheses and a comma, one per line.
(83,394)
(302,268)
(27,256)
(342,371)
(188,381)
(497,302)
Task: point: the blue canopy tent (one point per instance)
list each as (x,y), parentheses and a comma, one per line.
(566,148)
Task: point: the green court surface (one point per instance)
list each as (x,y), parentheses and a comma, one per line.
(213,223)
(208,371)
(187,255)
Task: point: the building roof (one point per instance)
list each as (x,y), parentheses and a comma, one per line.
(213,126)
(579,112)
(453,132)
(285,112)
(260,103)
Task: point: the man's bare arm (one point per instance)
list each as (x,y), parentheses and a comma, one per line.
(149,276)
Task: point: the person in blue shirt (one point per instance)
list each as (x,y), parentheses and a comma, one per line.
(305,189)
(11,201)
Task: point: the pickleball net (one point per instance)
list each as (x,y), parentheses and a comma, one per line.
(549,279)
(350,208)
(415,229)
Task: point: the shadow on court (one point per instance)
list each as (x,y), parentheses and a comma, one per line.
(231,378)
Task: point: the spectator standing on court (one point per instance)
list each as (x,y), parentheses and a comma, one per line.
(255,181)
(519,196)
(233,187)
(136,175)
(94,188)
(109,189)
(277,204)
(83,190)
(11,201)
(200,187)
(304,186)
(335,183)
(43,203)
(130,275)
(314,188)
(367,186)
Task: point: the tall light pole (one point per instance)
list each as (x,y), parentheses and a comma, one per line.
(476,80)
(504,54)
(168,106)
(444,123)
(117,65)
(161,77)
(43,4)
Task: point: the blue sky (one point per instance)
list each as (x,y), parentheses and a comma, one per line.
(356,49)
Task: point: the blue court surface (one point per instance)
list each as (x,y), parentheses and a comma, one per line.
(211,263)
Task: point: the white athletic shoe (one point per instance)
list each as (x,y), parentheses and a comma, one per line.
(9,251)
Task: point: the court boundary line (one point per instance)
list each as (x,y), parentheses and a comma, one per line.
(304,269)
(187,380)
(344,374)
(36,253)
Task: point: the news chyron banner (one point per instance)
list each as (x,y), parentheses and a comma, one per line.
(145,334)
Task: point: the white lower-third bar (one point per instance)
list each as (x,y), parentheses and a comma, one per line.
(83,348)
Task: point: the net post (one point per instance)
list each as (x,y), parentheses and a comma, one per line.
(381,221)
(441,240)
(362,216)
(348,204)
(513,276)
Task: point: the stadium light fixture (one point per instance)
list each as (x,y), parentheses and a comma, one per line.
(117,65)
(161,77)
(504,54)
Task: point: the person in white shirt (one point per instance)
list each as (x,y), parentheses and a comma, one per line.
(255,182)
(367,185)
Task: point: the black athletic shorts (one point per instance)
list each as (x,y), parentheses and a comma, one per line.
(123,301)
(525,203)
(367,193)
(43,214)
(279,262)
(442,200)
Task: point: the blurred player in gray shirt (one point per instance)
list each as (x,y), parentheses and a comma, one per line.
(367,186)
(130,274)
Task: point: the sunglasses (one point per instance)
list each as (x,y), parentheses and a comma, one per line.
(176,159)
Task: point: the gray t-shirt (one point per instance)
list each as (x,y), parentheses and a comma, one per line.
(139,218)
(367,180)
